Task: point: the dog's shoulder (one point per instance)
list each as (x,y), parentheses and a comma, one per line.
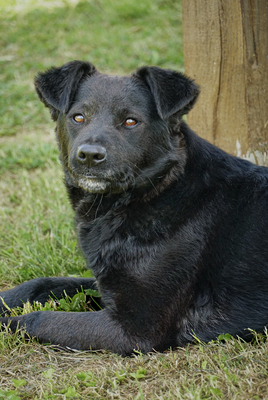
(207,160)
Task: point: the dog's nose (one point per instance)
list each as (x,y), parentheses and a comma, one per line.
(91,155)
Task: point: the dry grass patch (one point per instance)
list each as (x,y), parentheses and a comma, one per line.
(230,370)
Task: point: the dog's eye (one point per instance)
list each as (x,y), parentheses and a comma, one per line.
(79,118)
(129,122)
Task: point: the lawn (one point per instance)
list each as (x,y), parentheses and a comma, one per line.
(37,236)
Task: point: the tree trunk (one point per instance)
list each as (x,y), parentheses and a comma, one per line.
(226,52)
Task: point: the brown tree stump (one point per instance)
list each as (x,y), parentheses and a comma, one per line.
(226,52)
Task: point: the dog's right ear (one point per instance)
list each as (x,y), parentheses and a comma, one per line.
(57,87)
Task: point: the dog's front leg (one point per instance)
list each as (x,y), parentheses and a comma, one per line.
(41,289)
(82,331)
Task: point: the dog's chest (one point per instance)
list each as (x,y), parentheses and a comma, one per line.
(122,238)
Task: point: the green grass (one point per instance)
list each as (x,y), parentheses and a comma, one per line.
(37,236)
(116,36)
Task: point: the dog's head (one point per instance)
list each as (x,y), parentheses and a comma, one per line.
(116,133)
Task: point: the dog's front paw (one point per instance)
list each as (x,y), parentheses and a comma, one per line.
(12,323)
(26,322)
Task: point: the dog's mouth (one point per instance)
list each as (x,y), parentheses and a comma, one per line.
(101,184)
(93,184)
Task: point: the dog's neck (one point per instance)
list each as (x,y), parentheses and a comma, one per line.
(172,176)
(93,205)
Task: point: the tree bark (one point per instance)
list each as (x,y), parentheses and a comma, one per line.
(226,52)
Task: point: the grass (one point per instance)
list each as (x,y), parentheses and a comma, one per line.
(37,236)
(233,370)
(117,36)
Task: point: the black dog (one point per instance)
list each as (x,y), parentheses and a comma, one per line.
(174,229)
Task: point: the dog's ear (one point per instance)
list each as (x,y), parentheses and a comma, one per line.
(57,87)
(173,92)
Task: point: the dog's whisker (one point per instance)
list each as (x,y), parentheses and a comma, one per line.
(97,209)
(92,205)
(139,175)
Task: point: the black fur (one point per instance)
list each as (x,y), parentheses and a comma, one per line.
(174,229)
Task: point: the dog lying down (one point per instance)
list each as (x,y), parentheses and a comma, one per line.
(173,228)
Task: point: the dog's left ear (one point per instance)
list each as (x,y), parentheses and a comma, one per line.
(173,92)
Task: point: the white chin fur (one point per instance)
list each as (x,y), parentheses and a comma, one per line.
(92,185)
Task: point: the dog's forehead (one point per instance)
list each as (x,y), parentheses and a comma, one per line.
(110,90)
